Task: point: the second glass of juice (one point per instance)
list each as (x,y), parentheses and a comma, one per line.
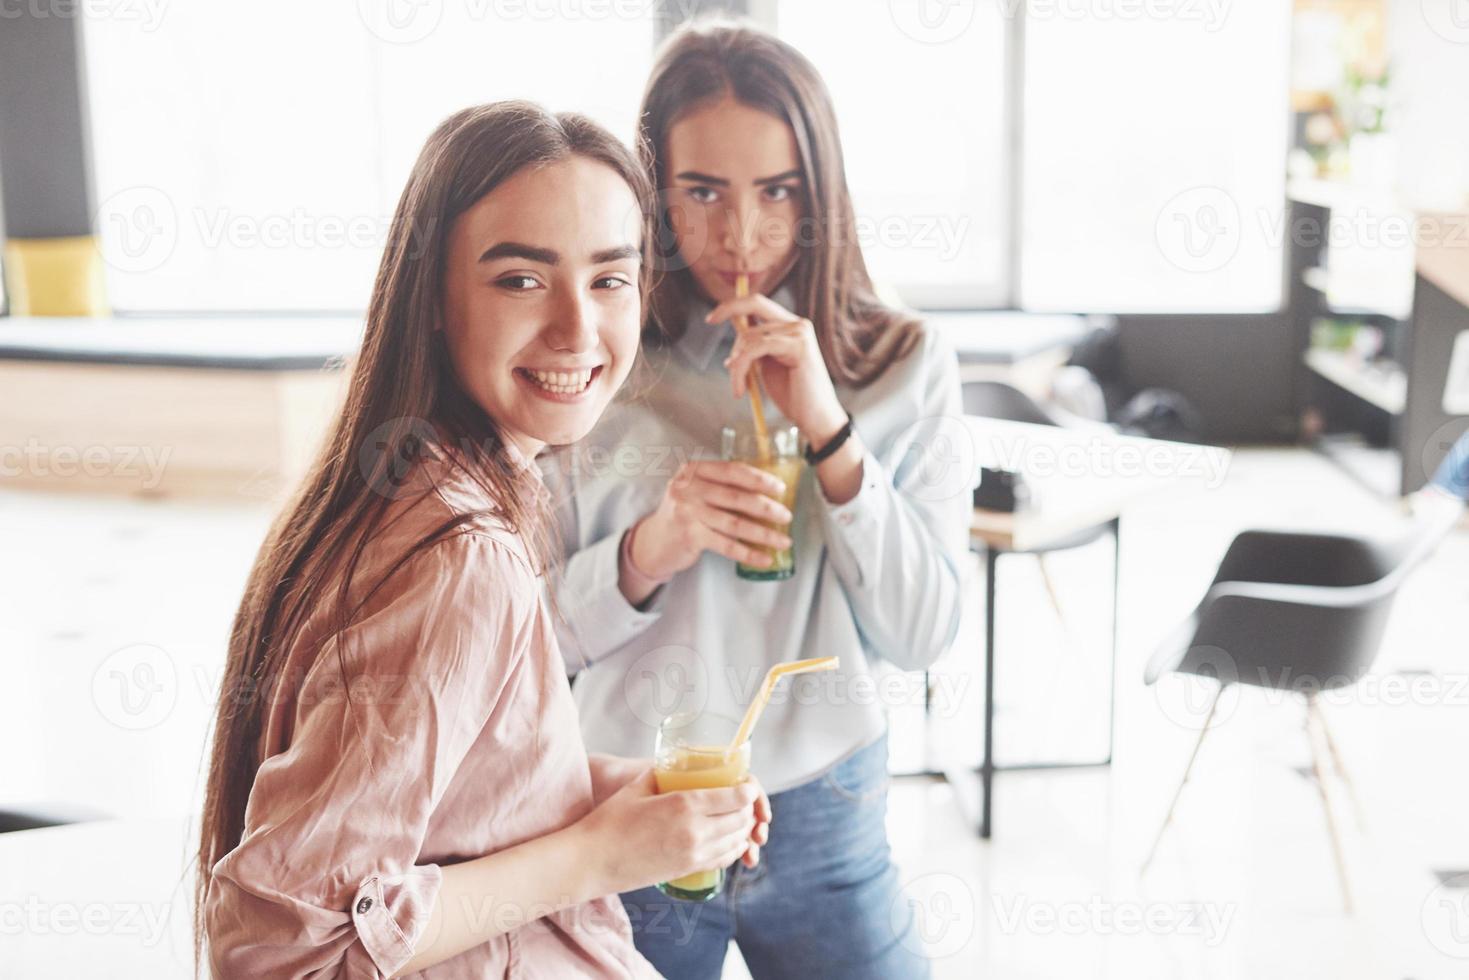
(784,461)
(692,753)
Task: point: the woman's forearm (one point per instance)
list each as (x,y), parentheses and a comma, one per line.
(491,895)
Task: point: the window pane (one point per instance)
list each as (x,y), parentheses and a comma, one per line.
(248,156)
(920,102)
(1154,157)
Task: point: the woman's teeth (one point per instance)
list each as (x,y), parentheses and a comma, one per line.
(561,382)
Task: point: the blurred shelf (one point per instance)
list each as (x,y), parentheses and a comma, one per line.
(1385,387)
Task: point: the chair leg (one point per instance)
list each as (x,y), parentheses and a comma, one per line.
(1313,705)
(1336,848)
(1051,588)
(1193,756)
(927,694)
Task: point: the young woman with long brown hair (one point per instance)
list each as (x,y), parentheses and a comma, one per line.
(743,145)
(397,782)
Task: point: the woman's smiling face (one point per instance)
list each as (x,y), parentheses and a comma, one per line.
(738,196)
(541,299)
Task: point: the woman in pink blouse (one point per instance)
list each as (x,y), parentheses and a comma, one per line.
(397,784)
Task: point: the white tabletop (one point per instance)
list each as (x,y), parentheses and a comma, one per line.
(1077,478)
(105,899)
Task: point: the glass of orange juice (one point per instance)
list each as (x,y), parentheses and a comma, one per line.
(783,461)
(692,753)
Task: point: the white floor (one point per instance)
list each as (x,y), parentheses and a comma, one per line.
(113,615)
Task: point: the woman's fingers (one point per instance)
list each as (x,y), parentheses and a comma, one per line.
(732,548)
(740,529)
(756,505)
(755,306)
(740,475)
(787,349)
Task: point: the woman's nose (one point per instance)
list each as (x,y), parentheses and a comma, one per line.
(574,327)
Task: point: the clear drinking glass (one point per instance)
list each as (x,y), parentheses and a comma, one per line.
(690,753)
(785,461)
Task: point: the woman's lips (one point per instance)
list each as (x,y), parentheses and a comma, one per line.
(561,387)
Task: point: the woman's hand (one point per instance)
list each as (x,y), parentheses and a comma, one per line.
(795,375)
(640,837)
(711,505)
(612,772)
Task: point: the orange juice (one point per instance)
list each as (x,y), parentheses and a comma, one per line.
(703,764)
(783,462)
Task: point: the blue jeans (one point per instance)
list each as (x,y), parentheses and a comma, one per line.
(823,901)
(1453,473)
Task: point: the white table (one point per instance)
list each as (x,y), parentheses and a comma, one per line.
(1079,479)
(107,899)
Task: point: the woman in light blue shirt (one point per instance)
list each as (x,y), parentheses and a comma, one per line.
(742,140)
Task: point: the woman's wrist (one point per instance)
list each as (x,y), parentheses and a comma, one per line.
(637,586)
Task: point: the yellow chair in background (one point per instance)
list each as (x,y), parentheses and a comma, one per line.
(55,277)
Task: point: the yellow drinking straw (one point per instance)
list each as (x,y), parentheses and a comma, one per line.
(772,676)
(753,381)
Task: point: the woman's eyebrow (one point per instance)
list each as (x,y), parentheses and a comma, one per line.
(616,254)
(694,175)
(519,250)
(778,178)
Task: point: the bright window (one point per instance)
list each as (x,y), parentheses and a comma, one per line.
(920,101)
(249,156)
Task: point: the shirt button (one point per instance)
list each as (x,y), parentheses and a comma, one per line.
(845,520)
(363,906)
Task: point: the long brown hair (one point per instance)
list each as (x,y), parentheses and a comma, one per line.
(859,335)
(401,395)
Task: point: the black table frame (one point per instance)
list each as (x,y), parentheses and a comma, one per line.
(988,767)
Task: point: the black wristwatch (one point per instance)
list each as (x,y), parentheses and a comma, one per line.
(817,456)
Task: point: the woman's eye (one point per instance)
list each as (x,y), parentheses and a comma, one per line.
(611,282)
(704,195)
(517,283)
(779,192)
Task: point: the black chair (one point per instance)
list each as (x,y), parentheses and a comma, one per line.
(37,815)
(1295,612)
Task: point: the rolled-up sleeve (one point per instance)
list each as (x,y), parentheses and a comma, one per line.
(324,881)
